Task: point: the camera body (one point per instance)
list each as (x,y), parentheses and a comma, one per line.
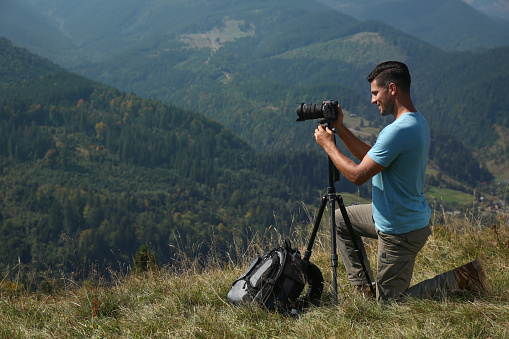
(327,111)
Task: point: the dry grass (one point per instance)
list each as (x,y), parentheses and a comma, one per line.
(188,301)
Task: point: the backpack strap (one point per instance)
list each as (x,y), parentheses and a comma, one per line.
(288,246)
(315,284)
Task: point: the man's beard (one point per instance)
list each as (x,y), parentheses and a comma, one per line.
(387,110)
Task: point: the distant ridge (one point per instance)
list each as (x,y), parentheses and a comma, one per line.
(451,24)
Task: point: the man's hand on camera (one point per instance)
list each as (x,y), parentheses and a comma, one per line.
(324,136)
(339,121)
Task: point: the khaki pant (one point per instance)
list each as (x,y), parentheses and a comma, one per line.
(395,258)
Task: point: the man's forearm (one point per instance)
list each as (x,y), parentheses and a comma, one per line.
(358,174)
(357,147)
(342,162)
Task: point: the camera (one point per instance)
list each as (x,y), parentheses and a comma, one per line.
(328,111)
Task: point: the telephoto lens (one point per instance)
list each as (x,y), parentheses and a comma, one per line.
(327,111)
(309,111)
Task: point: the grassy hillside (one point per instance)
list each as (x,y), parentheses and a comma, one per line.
(188,300)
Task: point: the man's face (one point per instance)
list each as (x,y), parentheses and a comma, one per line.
(381,96)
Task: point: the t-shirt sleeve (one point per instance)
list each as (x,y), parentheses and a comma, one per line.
(389,144)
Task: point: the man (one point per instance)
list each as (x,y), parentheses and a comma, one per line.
(399,214)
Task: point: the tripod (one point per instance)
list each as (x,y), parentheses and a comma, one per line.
(331,198)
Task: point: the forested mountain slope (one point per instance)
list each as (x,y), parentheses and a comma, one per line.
(246,64)
(89,172)
(87,169)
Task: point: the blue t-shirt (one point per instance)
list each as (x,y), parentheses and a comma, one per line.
(399,205)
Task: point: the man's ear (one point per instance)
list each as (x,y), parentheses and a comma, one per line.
(393,89)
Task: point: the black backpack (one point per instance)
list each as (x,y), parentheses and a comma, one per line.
(276,281)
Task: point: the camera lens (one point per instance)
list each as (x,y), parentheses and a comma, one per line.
(309,111)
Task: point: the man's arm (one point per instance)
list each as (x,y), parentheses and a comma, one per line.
(357,147)
(358,174)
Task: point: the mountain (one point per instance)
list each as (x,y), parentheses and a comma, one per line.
(452,24)
(89,173)
(20,22)
(104,29)
(251,85)
(127,22)
(493,8)
(247,63)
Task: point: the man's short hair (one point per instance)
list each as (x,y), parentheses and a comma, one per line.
(391,72)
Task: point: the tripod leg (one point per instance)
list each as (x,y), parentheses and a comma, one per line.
(331,198)
(318,219)
(334,255)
